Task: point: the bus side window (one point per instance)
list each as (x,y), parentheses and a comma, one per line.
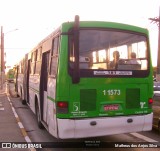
(38,61)
(21,67)
(33,60)
(54,56)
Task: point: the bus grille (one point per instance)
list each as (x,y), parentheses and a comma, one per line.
(132,98)
(88,100)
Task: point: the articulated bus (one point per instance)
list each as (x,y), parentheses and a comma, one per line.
(89,79)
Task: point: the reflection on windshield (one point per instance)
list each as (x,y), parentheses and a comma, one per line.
(112,50)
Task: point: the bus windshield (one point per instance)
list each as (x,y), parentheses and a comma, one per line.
(112,50)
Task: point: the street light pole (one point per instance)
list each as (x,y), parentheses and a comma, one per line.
(2,58)
(158,59)
(2,64)
(157,21)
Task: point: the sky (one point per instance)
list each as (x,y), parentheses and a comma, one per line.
(26,22)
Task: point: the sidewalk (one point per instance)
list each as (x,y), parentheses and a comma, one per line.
(9,129)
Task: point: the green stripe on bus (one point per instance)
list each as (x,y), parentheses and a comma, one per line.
(33,89)
(48,97)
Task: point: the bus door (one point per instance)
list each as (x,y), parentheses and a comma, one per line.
(27,80)
(43,86)
(25,86)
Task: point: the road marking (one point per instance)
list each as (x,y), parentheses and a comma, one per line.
(144,137)
(23,131)
(17,119)
(1,107)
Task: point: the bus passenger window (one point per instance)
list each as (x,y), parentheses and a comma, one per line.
(33,59)
(38,61)
(54,56)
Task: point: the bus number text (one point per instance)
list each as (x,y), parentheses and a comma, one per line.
(112,92)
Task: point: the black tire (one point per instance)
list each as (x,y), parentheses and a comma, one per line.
(39,123)
(24,102)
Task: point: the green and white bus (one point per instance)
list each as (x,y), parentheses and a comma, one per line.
(76,87)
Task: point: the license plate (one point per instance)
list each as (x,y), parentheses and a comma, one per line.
(111,107)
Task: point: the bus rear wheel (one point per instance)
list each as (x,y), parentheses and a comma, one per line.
(39,123)
(24,102)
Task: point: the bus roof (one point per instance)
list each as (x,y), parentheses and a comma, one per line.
(103,24)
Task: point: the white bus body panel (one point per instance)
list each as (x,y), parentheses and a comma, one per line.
(45,106)
(33,90)
(68,128)
(51,113)
(20,84)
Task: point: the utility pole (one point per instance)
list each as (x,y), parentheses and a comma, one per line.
(2,63)
(157,21)
(2,58)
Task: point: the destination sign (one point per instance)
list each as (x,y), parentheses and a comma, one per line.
(112,72)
